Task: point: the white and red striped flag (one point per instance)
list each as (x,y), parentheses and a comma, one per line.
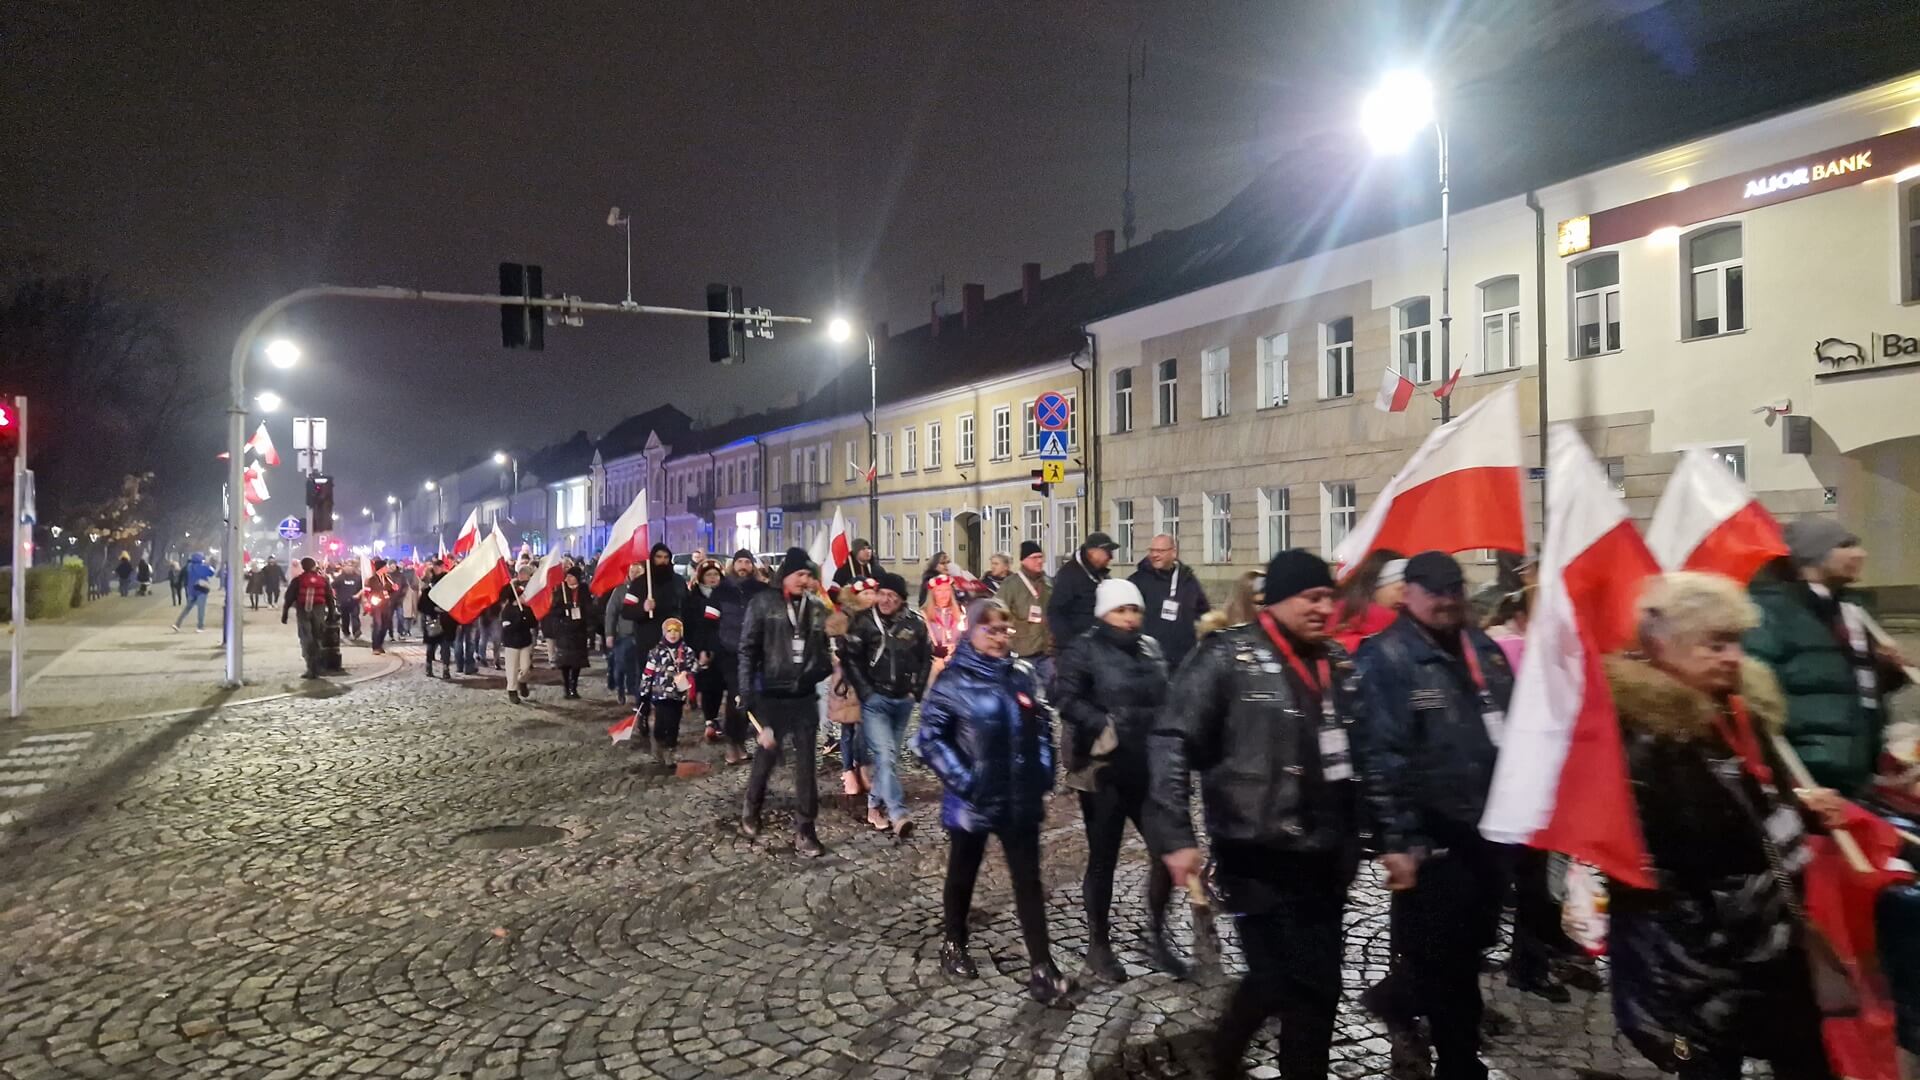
(1460,490)
(1708,520)
(538,595)
(473,586)
(262,445)
(256,484)
(829,550)
(468,536)
(622,730)
(1560,783)
(1446,388)
(1396,392)
(626,545)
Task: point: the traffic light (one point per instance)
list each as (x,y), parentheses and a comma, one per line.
(1040,485)
(522,326)
(320,502)
(726,338)
(9,423)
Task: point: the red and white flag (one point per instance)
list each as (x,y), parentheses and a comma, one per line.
(473,586)
(1560,783)
(1708,520)
(623,730)
(262,445)
(256,484)
(626,545)
(538,595)
(1446,388)
(1460,490)
(1396,392)
(830,550)
(468,536)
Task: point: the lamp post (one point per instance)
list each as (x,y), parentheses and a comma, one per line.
(840,330)
(1398,109)
(281,353)
(439,505)
(501,457)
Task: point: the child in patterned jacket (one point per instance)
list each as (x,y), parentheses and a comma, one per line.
(667,681)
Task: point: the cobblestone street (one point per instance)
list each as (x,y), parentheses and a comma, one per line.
(330,885)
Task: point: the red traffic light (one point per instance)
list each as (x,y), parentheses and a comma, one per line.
(8,422)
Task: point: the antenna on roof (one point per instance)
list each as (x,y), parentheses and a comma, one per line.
(1126,195)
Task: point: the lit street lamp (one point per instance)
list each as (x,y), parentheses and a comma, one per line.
(840,331)
(281,353)
(268,401)
(1396,112)
(501,457)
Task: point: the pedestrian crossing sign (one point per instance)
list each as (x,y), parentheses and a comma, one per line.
(1053,446)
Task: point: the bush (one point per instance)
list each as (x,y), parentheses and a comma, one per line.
(51,590)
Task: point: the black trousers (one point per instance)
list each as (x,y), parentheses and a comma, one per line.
(711,687)
(350,619)
(570,680)
(1293,953)
(1441,927)
(1021,845)
(1537,936)
(382,619)
(444,646)
(793,720)
(666,722)
(1106,811)
(733,723)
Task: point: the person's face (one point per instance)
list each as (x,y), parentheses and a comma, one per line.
(636,572)
(573,579)
(1843,565)
(1162,553)
(942,595)
(1123,618)
(998,567)
(1305,615)
(742,567)
(887,601)
(1389,596)
(710,576)
(1099,557)
(798,582)
(943,563)
(993,636)
(672,634)
(661,558)
(1709,664)
(1034,563)
(1443,611)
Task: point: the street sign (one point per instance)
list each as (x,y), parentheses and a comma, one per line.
(1051,410)
(292,528)
(1536,473)
(1053,446)
(776,518)
(1053,472)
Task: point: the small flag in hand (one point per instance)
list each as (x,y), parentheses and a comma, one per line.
(623,731)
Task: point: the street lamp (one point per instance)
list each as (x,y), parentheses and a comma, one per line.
(268,401)
(366,511)
(501,457)
(281,353)
(840,331)
(1397,111)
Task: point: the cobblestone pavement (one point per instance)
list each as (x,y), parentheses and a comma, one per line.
(328,886)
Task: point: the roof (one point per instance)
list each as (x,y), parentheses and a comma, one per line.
(629,436)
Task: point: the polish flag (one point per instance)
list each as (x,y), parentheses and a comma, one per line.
(1446,388)
(256,484)
(471,587)
(1459,490)
(830,549)
(469,534)
(1560,782)
(1396,392)
(1708,520)
(538,594)
(623,731)
(262,445)
(626,545)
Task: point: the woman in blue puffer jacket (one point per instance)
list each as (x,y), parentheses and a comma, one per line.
(985,731)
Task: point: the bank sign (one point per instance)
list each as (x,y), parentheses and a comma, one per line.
(1838,357)
(1802,175)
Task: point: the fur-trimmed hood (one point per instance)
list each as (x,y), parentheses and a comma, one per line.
(1651,701)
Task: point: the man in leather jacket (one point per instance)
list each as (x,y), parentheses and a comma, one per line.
(1271,716)
(783,658)
(737,589)
(887,660)
(1437,691)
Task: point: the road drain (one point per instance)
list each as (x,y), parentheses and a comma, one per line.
(495,837)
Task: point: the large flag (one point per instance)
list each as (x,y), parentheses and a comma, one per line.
(1396,392)
(262,445)
(538,595)
(469,534)
(1708,520)
(626,545)
(1561,779)
(829,550)
(1460,490)
(256,483)
(471,587)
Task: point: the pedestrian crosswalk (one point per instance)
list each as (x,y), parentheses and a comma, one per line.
(34,765)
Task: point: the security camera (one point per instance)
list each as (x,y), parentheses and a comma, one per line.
(1782,407)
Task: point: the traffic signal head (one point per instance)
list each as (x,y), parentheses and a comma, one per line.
(1040,485)
(522,326)
(9,421)
(320,502)
(726,338)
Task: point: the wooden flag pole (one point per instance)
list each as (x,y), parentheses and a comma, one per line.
(1842,839)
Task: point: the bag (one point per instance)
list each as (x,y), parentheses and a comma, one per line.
(1833,986)
(203,585)
(431,626)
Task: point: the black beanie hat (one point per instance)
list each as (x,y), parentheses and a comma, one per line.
(794,561)
(892,582)
(743,553)
(1029,547)
(1293,572)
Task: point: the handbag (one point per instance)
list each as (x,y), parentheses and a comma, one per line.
(431,626)
(1833,986)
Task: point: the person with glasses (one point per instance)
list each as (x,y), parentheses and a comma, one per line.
(1172,597)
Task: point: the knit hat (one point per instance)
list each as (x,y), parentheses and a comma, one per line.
(743,553)
(891,582)
(1436,572)
(674,624)
(1029,547)
(793,562)
(1393,573)
(1290,573)
(1116,593)
(1810,539)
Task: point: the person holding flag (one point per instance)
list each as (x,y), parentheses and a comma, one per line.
(518,625)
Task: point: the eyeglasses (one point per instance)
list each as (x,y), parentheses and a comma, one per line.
(997,629)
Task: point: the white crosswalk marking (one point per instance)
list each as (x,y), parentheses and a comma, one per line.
(20,791)
(35,765)
(60,737)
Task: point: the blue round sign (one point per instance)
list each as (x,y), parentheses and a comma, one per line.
(292,528)
(1051,410)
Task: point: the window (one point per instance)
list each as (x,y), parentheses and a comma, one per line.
(1033,522)
(1276,521)
(1616,475)
(1166,516)
(1214,376)
(933,444)
(814,471)
(1338,514)
(826,462)
(1596,305)
(1069,535)
(1715,299)
(909,450)
(966,439)
(1123,399)
(935,541)
(886,454)
(911,524)
(1413,333)
(1336,340)
(1003,528)
(853,468)
(756,474)
(1733,457)
(1073,420)
(886,537)
(793,467)
(1910,236)
(1002,433)
(1166,393)
(1273,371)
(1219,546)
(1500,324)
(1123,528)
(1029,428)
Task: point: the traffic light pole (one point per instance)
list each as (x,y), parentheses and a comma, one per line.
(22,557)
(235,536)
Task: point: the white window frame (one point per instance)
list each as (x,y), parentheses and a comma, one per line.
(1166,516)
(1002,527)
(1029,429)
(1600,295)
(1002,448)
(964,451)
(909,449)
(1066,520)
(1122,400)
(1123,528)
(933,445)
(1216,380)
(1336,360)
(1507,319)
(1907,209)
(1732,454)
(1276,509)
(1413,342)
(1033,522)
(1719,270)
(853,467)
(825,475)
(1218,546)
(934,530)
(1166,392)
(1275,384)
(885,540)
(910,536)
(1336,509)
(1073,420)
(886,454)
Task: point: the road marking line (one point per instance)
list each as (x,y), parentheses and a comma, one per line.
(21,791)
(65,736)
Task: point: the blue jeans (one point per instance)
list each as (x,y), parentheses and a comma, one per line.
(626,667)
(196,599)
(885,719)
(466,647)
(853,746)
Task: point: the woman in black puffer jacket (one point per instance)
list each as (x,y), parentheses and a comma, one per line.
(1110,683)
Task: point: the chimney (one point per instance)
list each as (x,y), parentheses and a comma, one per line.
(1029,282)
(973,303)
(933,320)
(1102,252)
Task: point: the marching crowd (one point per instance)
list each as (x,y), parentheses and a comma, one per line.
(1323,723)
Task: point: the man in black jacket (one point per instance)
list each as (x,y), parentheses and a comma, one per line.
(783,658)
(1269,715)
(736,590)
(1437,691)
(1173,596)
(1070,608)
(887,658)
(859,565)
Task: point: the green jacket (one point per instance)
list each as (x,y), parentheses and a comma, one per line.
(1833,731)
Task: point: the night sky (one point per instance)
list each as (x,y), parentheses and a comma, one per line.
(213,156)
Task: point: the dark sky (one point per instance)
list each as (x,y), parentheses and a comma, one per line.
(213,156)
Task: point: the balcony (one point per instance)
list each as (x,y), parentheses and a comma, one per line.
(700,505)
(801,495)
